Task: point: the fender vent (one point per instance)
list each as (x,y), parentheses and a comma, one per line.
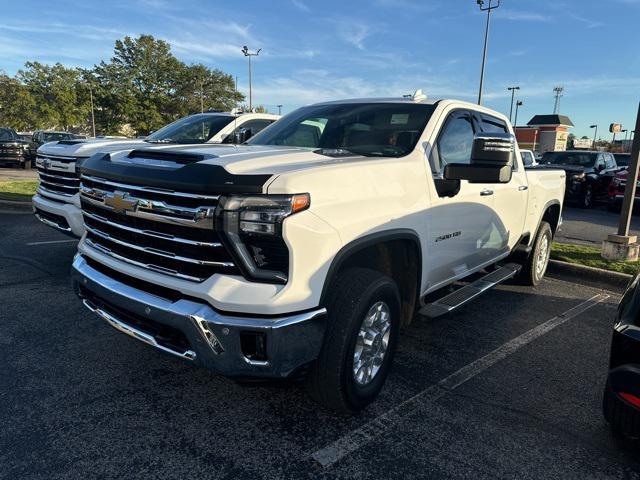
(70,142)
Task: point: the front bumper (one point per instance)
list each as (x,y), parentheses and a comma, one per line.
(192,330)
(65,217)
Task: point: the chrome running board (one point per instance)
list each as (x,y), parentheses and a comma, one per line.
(464,295)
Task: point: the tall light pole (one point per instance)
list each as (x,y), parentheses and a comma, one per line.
(557,92)
(513,93)
(486,41)
(595,134)
(93,118)
(624,145)
(519,103)
(248,54)
(279,109)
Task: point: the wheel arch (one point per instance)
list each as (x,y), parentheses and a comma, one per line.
(396,253)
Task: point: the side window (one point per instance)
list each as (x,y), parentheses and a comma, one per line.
(609,161)
(455,141)
(599,161)
(493,124)
(256,125)
(527,158)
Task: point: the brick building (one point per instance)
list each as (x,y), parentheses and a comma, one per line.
(544,133)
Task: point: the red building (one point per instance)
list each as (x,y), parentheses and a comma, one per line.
(544,133)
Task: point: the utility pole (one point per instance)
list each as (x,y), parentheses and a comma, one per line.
(513,93)
(279,109)
(248,54)
(93,118)
(519,103)
(201,96)
(595,134)
(486,41)
(632,179)
(557,91)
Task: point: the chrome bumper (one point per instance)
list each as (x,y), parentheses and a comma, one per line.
(212,338)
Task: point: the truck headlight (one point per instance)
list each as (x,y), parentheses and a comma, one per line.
(250,226)
(578,177)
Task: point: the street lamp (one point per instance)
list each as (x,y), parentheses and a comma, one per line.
(624,145)
(247,53)
(519,103)
(595,134)
(513,92)
(93,118)
(486,40)
(279,109)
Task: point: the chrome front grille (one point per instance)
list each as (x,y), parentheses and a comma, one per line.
(55,176)
(157,229)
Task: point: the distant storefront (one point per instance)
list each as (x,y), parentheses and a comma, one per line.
(544,133)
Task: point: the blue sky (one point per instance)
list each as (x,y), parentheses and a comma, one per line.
(319,50)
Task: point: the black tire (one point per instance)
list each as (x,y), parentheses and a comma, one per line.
(587,197)
(331,381)
(623,420)
(530,275)
(26,165)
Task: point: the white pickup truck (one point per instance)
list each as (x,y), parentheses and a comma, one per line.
(302,252)
(57,202)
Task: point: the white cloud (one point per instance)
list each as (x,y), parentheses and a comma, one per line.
(516,15)
(354,33)
(301,6)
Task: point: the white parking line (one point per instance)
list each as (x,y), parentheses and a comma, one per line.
(53,241)
(357,438)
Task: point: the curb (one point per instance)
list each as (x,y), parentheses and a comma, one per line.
(16,205)
(597,277)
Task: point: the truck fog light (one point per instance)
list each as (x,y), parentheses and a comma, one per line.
(254,346)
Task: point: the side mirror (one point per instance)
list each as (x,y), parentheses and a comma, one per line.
(242,135)
(491,160)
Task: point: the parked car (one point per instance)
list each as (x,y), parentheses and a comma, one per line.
(622,159)
(621,404)
(528,158)
(13,150)
(588,174)
(302,252)
(617,188)
(57,202)
(40,137)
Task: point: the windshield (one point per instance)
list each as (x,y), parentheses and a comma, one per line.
(622,160)
(7,134)
(370,129)
(582,159)
(527,158)
(55,136)
(192,129)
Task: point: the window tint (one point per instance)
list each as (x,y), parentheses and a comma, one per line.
(193,129)
(492,124)
(527,158)
(369,129)
(456,140)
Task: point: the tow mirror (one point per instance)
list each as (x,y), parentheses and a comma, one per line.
(491,160)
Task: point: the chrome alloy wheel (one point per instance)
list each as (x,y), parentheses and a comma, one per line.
(372,343)
(543,256)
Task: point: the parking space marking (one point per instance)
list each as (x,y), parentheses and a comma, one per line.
(359,437)
(53,241)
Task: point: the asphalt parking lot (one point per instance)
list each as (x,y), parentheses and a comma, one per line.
(508,387)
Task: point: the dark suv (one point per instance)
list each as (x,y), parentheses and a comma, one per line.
(41,137)
(588,174)
(13,150)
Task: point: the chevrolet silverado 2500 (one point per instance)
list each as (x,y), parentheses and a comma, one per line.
(302,252)
(57,202)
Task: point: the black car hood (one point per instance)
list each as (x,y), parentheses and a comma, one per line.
(13,143)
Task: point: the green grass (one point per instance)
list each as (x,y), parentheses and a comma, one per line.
(18,190)
(590,257)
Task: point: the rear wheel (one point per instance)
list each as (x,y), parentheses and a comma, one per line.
(536,265)
(362,330)
(587,198)
(26,165)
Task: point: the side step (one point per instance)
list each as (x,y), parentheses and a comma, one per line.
(463,295)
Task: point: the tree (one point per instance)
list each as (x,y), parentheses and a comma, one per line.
(17,105)
(60,98)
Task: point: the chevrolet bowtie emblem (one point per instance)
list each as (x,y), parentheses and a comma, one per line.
(119,202)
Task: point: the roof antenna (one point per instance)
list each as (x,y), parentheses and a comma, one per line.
(419,96)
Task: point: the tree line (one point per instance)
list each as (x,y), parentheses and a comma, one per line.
(142,87)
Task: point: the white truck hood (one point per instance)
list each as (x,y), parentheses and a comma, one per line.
(255,159)
(86,148)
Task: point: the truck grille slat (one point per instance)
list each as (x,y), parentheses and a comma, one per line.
(56,181)
(168,232)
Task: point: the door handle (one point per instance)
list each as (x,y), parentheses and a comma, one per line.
(523,187)
(486,193)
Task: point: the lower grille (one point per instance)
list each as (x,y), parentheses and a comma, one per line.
(53,220)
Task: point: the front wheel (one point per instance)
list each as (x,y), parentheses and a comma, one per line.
(536,265)
(587,198)
(362,331)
